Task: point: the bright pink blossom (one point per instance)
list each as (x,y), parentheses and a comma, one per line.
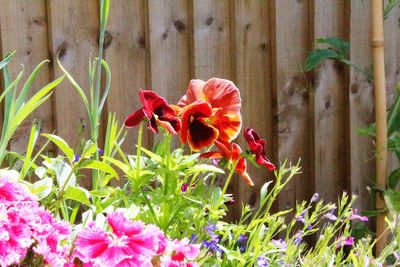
(24,223)
(128,244)
(180,253)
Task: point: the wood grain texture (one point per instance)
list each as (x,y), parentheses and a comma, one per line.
(330,106)
(126,54)
(292,93)
(361,104)
(253,60)
(392,66)
(170,24)
(74,31)
(24,28)
(212,39)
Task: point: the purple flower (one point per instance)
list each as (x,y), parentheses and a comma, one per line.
(300,218)
(212,244)
(309,227)
(77,157)
(329,215)
(262,262)
(210,228)
(193,238)
(184,188)
(355,216)
(281,244)
(242,242)
(315,197)
(298,237)
(100,151)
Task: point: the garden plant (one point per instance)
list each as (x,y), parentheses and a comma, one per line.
(169,207)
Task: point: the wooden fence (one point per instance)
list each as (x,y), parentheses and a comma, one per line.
(259,44)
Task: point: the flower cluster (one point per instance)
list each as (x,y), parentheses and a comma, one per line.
(131,244)
(24,225)
(209,113)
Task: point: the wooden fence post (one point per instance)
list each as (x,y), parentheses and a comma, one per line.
(380,116)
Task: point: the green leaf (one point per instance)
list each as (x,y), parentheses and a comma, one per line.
(99,165)
(394,114)
(394,179)
(62,145)
(124,167)
(29,150)
(264,191)
(337,43)
(152,155)
(42,188)
(319,55)
(107,85)
(78,194)
(7,59)
(392,199)
(215,196)
(25,89)
(204,168)
(64,173)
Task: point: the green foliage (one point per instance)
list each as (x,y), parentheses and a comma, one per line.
(18,106)
(338,49)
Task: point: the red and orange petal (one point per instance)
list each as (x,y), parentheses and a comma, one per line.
(241,168)
(136,117)
(224,98)
(195,129)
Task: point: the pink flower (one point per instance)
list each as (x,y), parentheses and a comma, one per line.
(128,244)
(355,216)
(180,253)
(345,241)
(23,223)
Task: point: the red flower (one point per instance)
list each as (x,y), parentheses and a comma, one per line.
(210,110)
(157,111)
(257,146)
(232,152)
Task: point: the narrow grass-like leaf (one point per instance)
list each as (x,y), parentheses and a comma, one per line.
(101,166)
(25,89)
(29,150)
(7,59)
(107,85)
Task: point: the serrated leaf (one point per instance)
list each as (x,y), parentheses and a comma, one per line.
(78,194)
(62,145)
(317,56)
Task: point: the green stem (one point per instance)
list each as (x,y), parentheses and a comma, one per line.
(227,182)
(139,150)
(150,208)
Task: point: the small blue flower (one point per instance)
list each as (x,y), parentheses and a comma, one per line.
(281,244)
(242,242)
(193,238)
(309,227)
(100,151)
(77,157)
(298,237)
(210,228)
(301,218)
(262,262)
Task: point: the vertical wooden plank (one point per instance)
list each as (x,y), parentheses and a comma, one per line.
(361,104)
(392,65)
(213,50)
(126,53)
(24,28)
(74,32)
(212,43)
(254,80)
(330,100)
(170,24)
(169,39)
(292,95)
